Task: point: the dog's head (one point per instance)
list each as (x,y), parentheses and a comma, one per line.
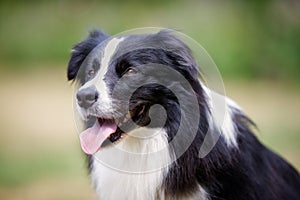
(125,82)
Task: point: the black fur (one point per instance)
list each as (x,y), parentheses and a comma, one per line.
(248,172)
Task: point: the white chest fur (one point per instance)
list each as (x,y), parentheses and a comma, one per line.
(134,168)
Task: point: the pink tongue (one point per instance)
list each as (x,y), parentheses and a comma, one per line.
(92,138)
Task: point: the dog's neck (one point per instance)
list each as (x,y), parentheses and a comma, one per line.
(134,168)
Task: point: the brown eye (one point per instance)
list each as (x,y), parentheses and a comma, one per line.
(131,71)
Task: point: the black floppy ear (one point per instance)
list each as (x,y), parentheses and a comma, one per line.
(81,50)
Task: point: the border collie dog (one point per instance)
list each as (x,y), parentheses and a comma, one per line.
(148,117)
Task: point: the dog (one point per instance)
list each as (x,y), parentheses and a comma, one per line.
(148,114)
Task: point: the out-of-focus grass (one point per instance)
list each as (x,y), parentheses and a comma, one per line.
(18,170)
(40,153)
(246,39)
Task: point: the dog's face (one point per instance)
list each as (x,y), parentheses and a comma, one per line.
(126,81)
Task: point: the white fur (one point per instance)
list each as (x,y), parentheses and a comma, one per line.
(221,110)
(139,175)
(109,51)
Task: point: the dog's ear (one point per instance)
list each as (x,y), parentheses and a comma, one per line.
(81,50)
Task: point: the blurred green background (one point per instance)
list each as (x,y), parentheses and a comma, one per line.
(255,44)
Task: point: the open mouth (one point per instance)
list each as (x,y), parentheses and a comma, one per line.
(106,131)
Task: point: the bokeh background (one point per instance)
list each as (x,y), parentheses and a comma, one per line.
(255,44)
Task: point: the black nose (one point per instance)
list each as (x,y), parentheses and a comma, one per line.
(86,97)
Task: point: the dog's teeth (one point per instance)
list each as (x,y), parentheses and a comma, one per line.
(128,116)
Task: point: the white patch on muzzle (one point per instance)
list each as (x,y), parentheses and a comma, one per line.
(103,105)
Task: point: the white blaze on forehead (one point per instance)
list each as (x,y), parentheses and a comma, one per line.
(104,100)
(108,52)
